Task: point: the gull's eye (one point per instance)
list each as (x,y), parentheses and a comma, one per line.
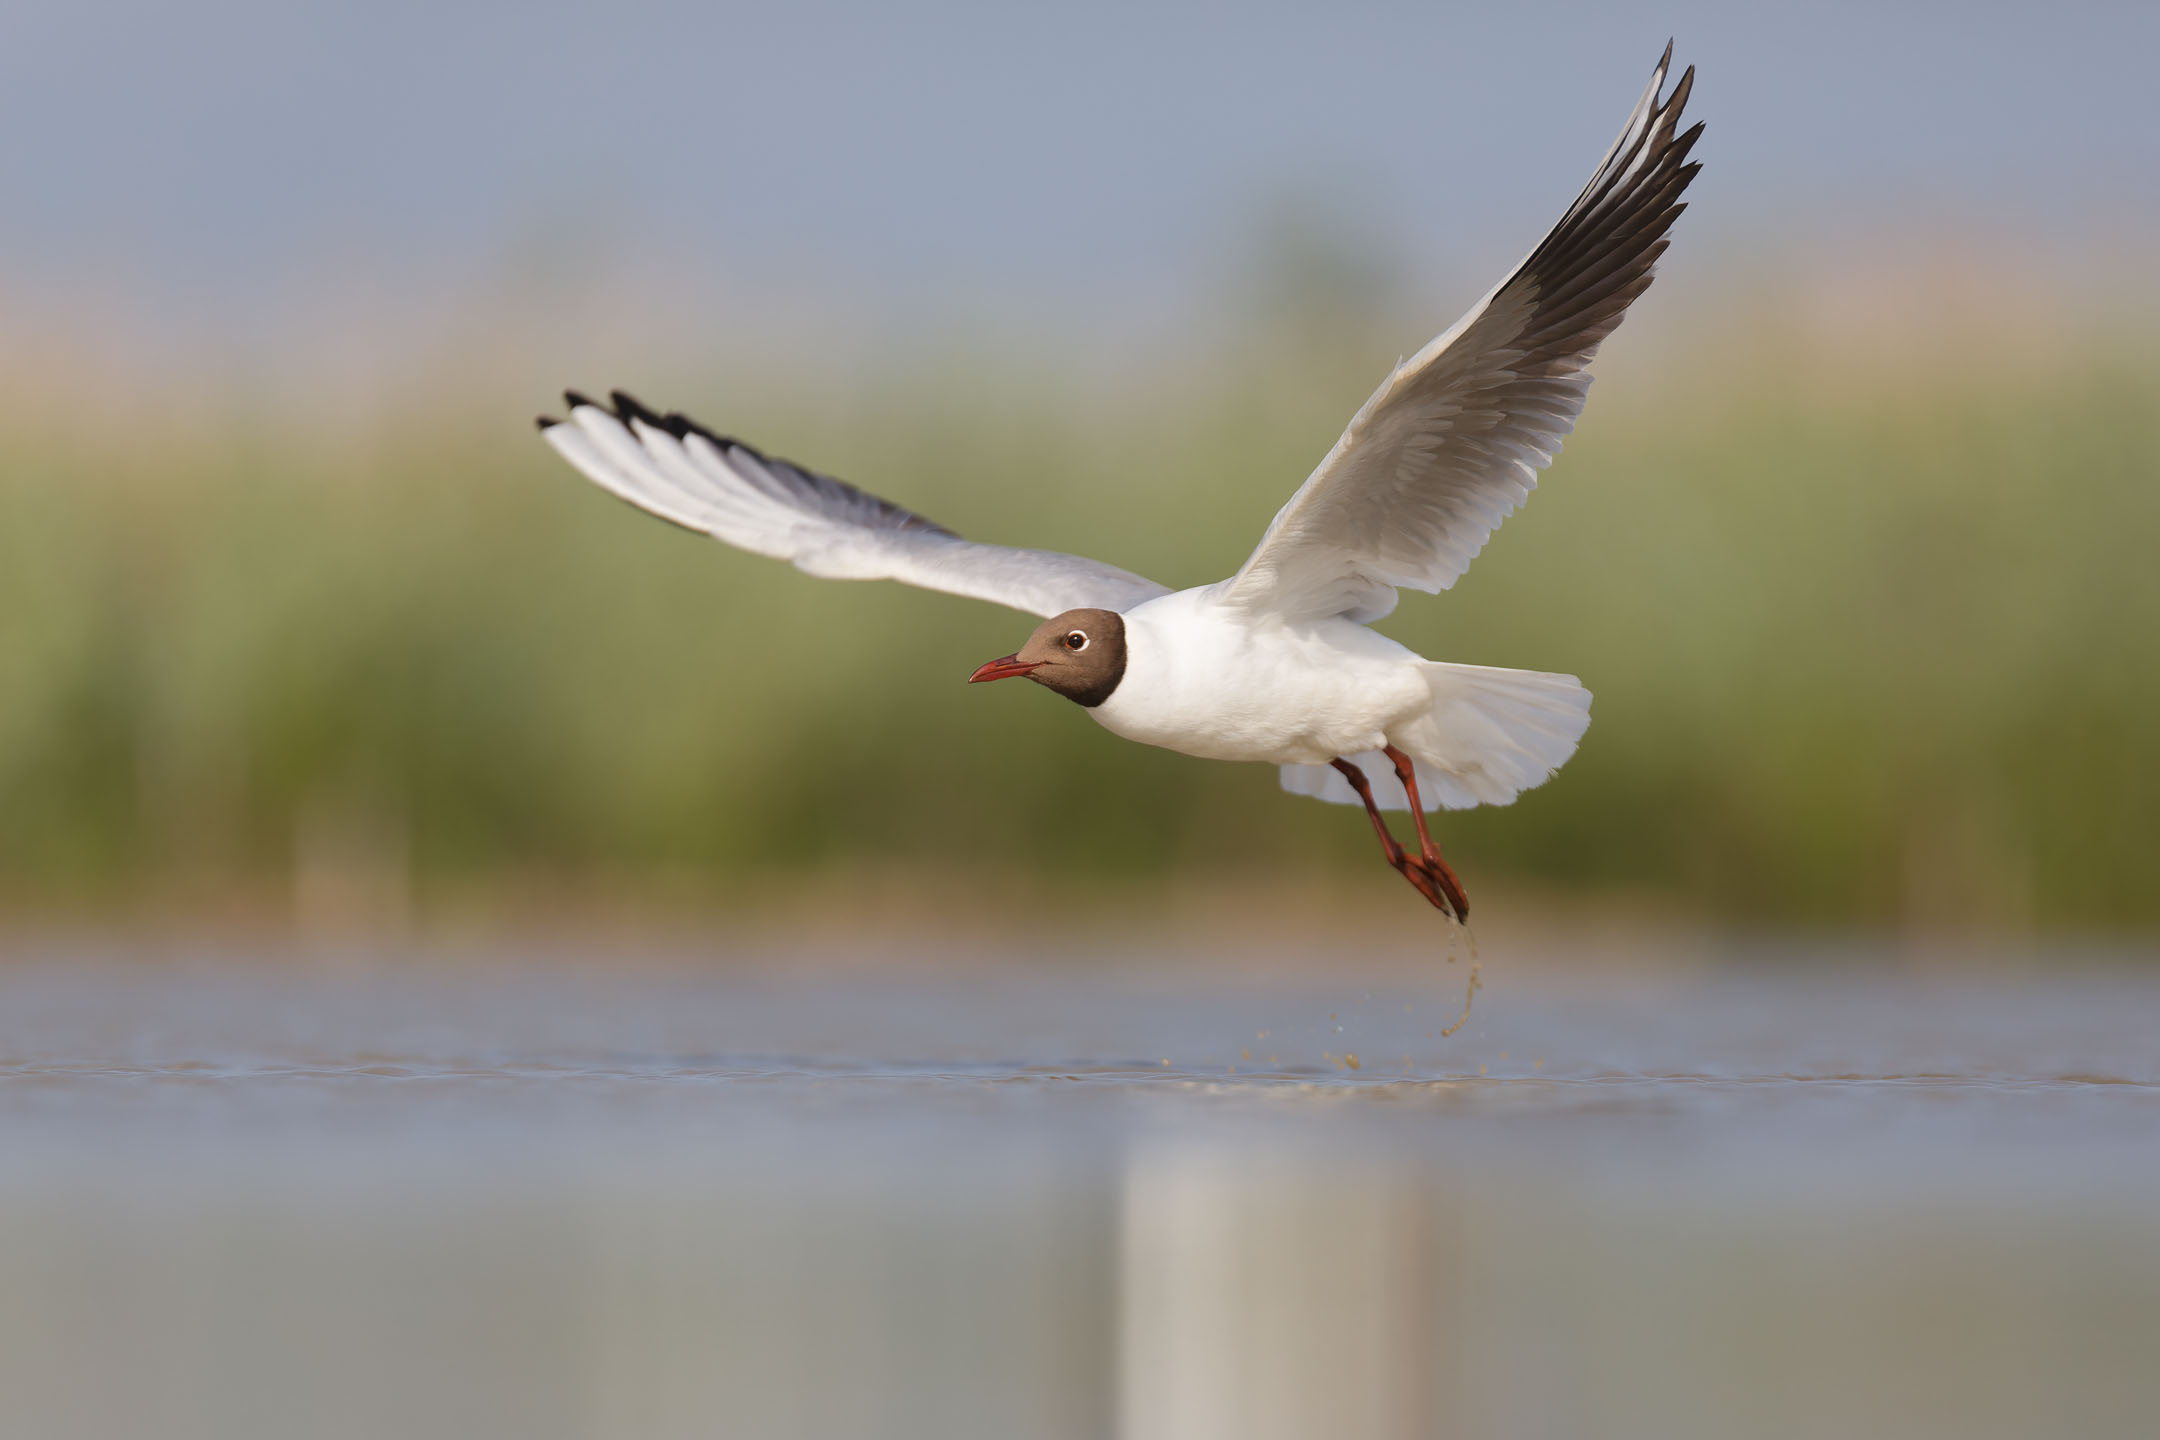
(1076,641)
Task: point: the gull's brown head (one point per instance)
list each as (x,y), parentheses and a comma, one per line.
(1080,654)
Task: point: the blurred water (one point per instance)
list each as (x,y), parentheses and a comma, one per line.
(1801,1198)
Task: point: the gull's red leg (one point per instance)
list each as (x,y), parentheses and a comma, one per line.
(1424,878)
(1357,780)
(1406,772)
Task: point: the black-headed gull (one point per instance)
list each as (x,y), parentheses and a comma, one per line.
(1274,664)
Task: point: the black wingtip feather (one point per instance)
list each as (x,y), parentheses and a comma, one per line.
(1677,101)
(789,482)
(682,427)
(546,422)
(629,407)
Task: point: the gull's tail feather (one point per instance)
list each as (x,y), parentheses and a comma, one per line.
(1490,735)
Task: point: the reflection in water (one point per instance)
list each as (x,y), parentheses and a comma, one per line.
(231,1208)
(1263,1294)
(1264,1297)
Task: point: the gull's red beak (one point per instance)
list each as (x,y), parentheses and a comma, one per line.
(1004,669)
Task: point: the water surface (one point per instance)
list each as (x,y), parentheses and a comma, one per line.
(612,1199)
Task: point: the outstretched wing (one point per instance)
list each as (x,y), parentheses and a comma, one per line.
(1452,443)
(682,472)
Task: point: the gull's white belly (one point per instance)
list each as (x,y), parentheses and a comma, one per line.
(1203,681)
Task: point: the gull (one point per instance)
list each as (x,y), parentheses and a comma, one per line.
(1276,664)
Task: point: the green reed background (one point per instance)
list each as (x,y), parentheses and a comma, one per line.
(1871,617)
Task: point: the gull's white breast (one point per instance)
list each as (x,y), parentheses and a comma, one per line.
(1207,681)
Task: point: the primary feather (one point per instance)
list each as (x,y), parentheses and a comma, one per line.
(680,471)
(1452,442)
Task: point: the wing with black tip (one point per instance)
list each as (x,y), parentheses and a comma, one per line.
(721,487)
(1454,441)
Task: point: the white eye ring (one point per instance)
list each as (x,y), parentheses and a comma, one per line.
(1076,641)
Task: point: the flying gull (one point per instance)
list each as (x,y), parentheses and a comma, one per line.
(1276,663)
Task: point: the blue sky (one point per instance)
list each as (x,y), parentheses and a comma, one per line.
(216,157)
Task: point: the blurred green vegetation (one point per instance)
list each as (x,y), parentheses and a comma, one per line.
(1871,621)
